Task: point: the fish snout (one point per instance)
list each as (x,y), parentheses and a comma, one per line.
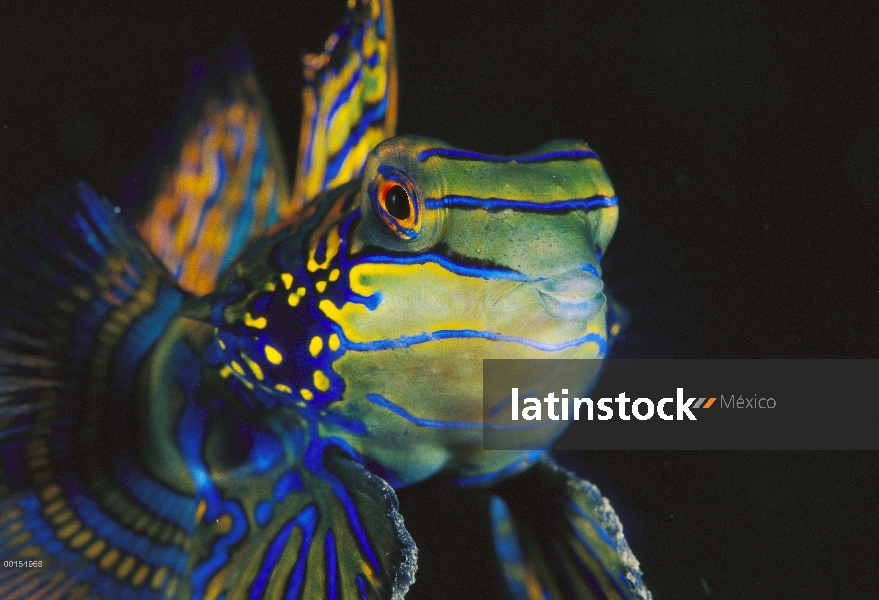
(572,296)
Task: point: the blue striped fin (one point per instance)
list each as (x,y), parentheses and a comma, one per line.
(84,303)
(324,528)
(556,537)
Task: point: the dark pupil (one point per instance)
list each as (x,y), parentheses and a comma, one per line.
(397,203)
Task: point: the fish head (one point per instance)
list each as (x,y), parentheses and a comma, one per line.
(374,312)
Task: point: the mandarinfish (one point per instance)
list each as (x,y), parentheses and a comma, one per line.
(219,403)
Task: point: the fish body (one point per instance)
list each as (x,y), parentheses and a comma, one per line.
(219,403)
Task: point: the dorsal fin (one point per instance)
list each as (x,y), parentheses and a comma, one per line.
(220,181)
(349,99)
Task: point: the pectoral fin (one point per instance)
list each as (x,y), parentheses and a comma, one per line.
(328,532)
(557,537)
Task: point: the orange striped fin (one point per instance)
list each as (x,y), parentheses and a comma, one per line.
(224,180)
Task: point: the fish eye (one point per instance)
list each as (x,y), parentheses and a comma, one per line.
(394,202)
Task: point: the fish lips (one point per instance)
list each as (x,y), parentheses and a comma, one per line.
(572,296)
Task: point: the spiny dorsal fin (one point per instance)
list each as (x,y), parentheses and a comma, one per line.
(349,99)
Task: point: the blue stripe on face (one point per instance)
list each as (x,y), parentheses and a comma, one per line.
(501,203)
(456,268)
(411,340)
(385,403)
(465,155)
(332,566)
(422,422)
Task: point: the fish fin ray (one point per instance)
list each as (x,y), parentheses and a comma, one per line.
(217,177)
(557,537)
(77,281)
(336,534)
(349,99)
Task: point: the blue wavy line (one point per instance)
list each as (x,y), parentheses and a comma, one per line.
(398,410)
(458,269)
(443,334)
(495,203)
(463,154)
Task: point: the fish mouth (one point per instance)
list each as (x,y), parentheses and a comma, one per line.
(575,295)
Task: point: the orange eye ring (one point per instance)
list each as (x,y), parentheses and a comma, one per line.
(395,202)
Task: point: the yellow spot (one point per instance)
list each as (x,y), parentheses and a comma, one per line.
(320,381)
(81,539)
(320,286)
(96,548)
(200,510)
(109,559)
(270,286)
(50,492)
(287,278)
(334,242)
(293,299)
(225,372)
(140,576)
(55,506)
(257,370)
(615,329)
(158,578)
(125,567)
(221,344)
(238,368)
(334,342)
(306,393)
(315,346)
(172,587)
(273,355)
(255,323)
(283,388)
(69,529)
(334,274)
(300,291)
(224,524)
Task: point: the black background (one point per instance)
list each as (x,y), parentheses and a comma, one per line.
(744,135)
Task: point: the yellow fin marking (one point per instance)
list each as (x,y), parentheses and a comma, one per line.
(96,548)
(287,278)
(273,355)
(334,242)
(315,346)
(283,388)
(320,381)
(334,342)
(109,559)
(256,323)
(334,274)
(306,393)
(320,286)
(254,366)
(238,368)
